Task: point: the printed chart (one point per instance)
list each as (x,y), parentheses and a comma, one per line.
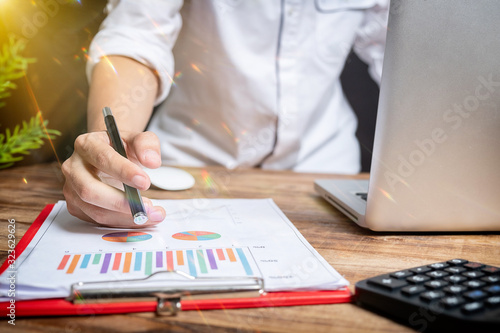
(123,237)
(219,238)
(195,262)
(196,235)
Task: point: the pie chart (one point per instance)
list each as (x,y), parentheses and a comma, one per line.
(196,235)
(125,237)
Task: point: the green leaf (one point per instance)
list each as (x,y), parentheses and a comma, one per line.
(12,65)
(24,138)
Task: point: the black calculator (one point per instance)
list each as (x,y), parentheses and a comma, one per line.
(453,295)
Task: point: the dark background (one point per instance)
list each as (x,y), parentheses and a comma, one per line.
(58,34)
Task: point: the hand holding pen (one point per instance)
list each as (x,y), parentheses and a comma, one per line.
(95,166)
(133,196)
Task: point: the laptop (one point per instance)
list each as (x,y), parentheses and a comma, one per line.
(436,157)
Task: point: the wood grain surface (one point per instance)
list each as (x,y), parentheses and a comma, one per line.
(354,252)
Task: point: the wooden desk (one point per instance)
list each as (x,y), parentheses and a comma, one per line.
(354,252)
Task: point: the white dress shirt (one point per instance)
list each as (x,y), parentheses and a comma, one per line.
(255,82)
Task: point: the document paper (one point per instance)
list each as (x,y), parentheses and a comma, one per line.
(200,237)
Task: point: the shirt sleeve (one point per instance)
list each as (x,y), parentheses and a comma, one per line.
(145,31)
(369,44)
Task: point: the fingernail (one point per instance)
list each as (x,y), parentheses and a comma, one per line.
(151,156)
(139,181)
(156,215)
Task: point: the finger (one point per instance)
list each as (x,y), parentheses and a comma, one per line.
(103,217)
(94,148)
(88,188)
(145,148)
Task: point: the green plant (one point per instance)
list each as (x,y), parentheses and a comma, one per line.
(12,66)
(21,140)
(15,144)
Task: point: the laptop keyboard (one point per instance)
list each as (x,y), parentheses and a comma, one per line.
(362,195)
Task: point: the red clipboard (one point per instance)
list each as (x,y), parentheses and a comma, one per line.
(63,307)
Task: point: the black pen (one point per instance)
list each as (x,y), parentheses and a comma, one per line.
(133,196)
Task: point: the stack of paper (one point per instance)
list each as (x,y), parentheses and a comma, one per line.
(200,237)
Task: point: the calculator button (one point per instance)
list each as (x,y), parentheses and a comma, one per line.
(473,274)
(450,302)
(493,290)
(473,265)
(455,270)
(455,289)
(457,261)
(439,265)
(491,279)
(436,284)
(437,274)
(455,279)
(401,274)
(491,269)
(493,301)
(413,290)
(475,295)
(418,279)
(473,307)
(473,284)
(388,282)
(420,270)
(432,295)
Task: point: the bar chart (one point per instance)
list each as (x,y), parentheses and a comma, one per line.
(233,261)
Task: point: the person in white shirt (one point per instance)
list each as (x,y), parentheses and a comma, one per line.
(238,83)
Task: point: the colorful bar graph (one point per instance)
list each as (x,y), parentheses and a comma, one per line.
(170,261)
(244,261)
(191,265)
(201,261)
(64,261)
(85,261)
(211,259)
(138,261)
(149,263)
(105,264)
(128,260)
(73,264)
(220,254)
(231,255)
(117,261)
(97,259)
(195,262)
(159,259)
(180,258)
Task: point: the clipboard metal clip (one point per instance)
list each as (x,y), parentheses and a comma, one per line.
(167,288)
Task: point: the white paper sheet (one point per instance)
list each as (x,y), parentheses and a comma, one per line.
(201,237)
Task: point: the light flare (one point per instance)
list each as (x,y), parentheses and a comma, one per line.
(25,181)
(387,195)
(39,113)
(196,68)
(228,130)
(207,179)
(110,64)
(106,59)
(177,75)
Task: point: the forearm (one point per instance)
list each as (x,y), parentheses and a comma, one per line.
(128,87)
